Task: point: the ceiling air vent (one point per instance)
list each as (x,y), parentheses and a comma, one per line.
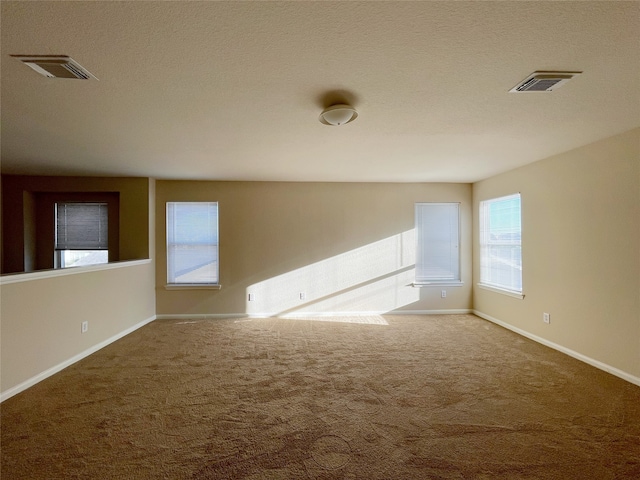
(544,81)
(55,66)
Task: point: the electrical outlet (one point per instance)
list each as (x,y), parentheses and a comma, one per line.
(84,328)
(443,294)
(546,318)
(303,296)
(251,297)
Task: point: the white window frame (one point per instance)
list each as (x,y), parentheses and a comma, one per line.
(489,262)
(443,218)
(172,244)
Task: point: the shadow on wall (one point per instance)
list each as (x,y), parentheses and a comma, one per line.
(371,279)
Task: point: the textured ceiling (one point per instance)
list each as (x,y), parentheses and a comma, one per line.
(232,90)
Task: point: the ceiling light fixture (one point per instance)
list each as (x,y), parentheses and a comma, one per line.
(337,115)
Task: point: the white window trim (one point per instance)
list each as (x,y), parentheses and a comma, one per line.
(489,286)
(503,291)
(192,286)
(437,284)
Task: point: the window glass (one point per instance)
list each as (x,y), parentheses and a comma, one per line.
(192,242)
(500,243)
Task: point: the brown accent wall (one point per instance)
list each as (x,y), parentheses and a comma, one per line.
(22,227)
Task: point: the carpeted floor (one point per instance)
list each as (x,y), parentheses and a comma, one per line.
(393,397)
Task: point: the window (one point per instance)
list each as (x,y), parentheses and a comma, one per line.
(438,243)
(81,234)
(192,243)
(500,244)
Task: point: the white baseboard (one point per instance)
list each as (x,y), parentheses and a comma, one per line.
(204,316)
(369,313)
(199,316)
(458,311)
(579,356)
(55,369)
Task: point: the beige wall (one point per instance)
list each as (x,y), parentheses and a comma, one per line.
(580,249)
(133,213)
(348,247)
(41,317)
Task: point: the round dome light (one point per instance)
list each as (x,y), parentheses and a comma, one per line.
(338,115)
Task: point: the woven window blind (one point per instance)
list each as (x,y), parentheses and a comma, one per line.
(81,226)
(192,243)
(438,242)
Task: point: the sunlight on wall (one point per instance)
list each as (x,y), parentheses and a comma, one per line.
(374,278)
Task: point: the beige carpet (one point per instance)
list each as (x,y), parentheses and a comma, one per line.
(393,397)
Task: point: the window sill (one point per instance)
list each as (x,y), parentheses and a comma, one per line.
(437,284)
(192,286)
(509,293)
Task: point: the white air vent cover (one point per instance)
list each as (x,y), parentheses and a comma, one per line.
(55,66)
(544,81)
